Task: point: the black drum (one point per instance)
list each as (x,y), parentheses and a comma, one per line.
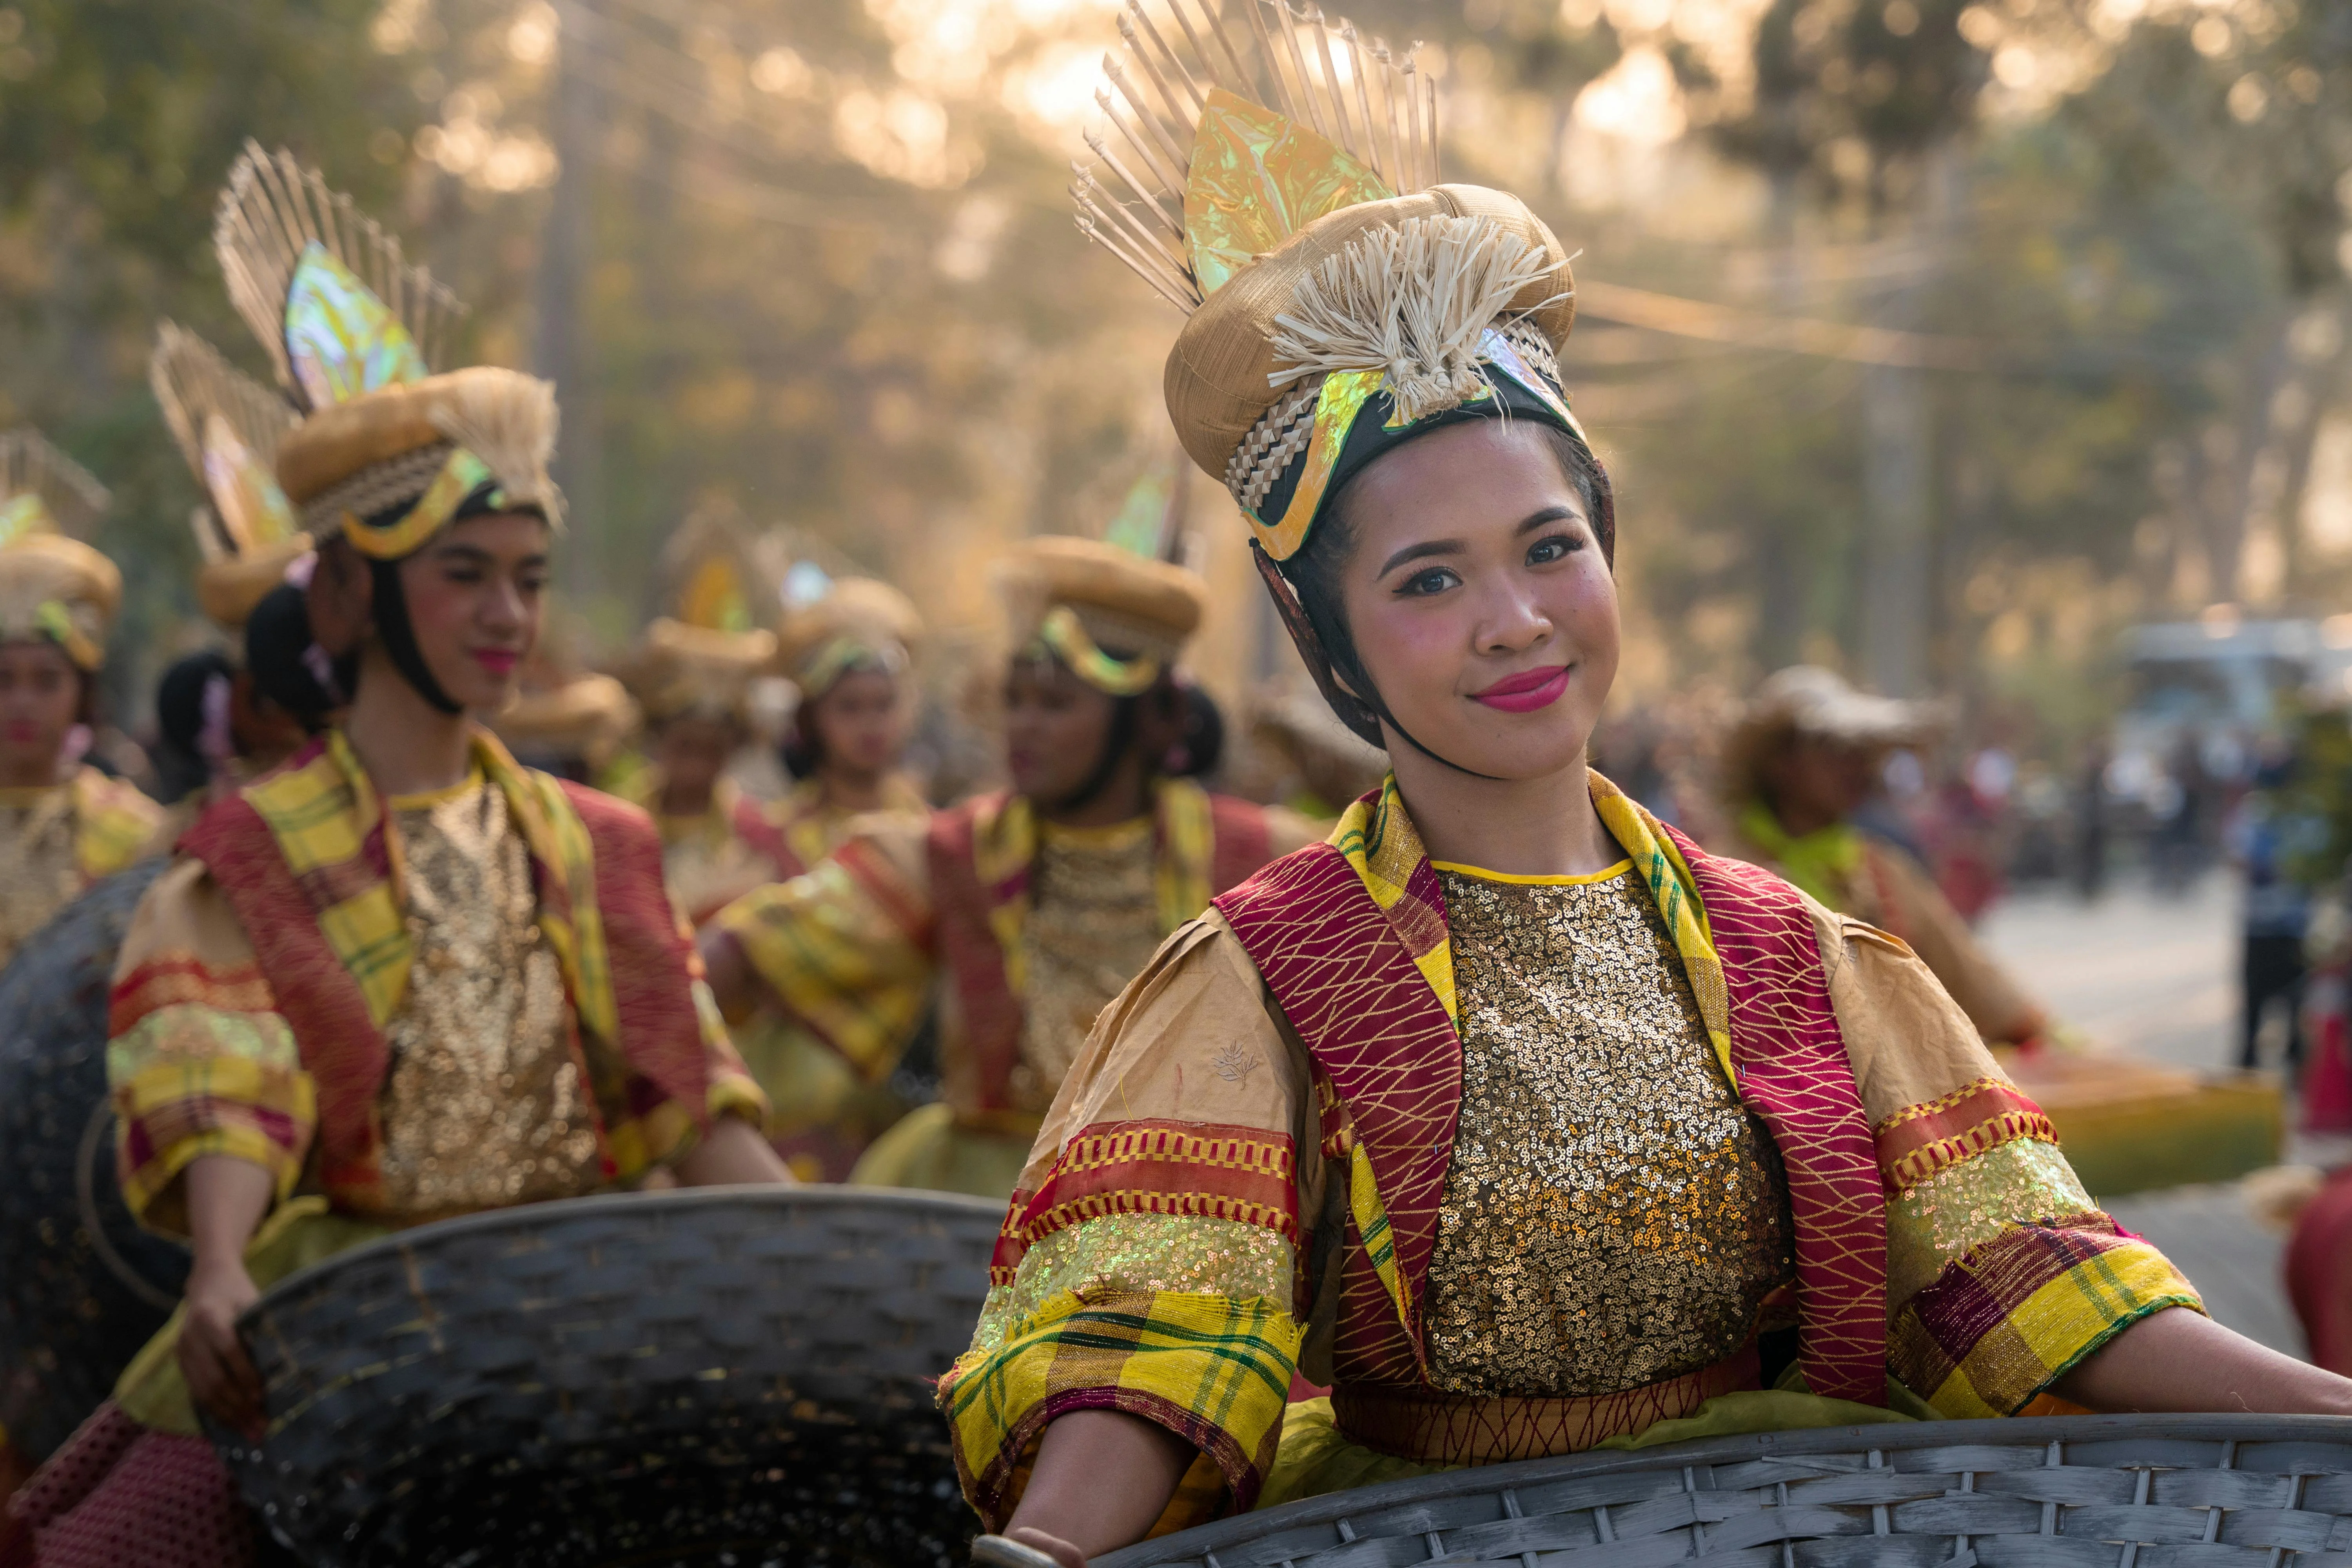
(2081,1492)
(81,1286)
(738,1375)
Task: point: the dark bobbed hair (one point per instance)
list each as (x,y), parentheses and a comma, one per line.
(1315,573)
(180,763)
(284,657)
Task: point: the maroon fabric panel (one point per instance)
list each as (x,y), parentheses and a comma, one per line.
(990,1013)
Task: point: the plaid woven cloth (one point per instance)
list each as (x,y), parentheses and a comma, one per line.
(251,996)
(113,823)
(1215,1371)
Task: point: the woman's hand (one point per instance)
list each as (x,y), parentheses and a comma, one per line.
(1053,1546)
(734,985)
(1102,1480)
(733,1154)
(220,1374)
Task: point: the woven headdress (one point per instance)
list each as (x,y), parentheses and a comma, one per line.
(51,585)
(228,428)
(387,452)
(856,623)
(1118,620)
(701,658)
(1279,188)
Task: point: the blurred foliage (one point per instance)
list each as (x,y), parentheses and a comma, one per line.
(821,265)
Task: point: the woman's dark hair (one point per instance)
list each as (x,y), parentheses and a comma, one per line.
(287,662)
(180,764)
(1204,744)
(804,747)
(1316,571)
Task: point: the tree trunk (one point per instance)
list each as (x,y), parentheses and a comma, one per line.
(563,352)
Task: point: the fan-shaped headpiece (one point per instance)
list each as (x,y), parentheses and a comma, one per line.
(228,426)
(52,584)
(388,453)
(1276,181)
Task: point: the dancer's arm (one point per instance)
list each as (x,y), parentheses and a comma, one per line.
(733,1154)
(2179,1361)
(1102,1478)
(227,1199)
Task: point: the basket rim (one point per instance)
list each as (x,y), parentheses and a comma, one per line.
(2000,1431)
(823,1195)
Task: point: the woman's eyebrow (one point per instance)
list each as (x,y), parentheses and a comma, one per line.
(1545,518)
(1427,547)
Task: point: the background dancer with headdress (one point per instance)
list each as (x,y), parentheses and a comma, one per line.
(1806,755)
(1032,906)
(851,655)
(400,978)
(1508,1112)
(63,823)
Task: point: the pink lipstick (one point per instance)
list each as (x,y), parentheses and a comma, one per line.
(497,660)
(1526,692)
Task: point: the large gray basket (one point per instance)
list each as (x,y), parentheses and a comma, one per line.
(736,1376)
(2084,1491)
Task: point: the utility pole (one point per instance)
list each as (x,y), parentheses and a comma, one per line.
(563,352)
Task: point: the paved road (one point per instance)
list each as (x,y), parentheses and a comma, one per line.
(2156,977)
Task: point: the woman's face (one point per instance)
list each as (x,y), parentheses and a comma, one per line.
(475,595)
(1478,600)
(861,722)
(692,749)
(41,699)
(1055,727)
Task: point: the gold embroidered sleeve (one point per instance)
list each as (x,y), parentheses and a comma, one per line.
(1140,1253)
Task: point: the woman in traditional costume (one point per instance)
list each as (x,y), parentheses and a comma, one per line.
(1509,1113)
(400,978)
(1033,905)
(1806,754)
(64,824)
(850,653)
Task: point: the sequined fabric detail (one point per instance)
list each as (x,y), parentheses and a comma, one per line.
(1612,1215)
(1092,926)
(1137,1253)
(484,1105)
(1967,1204)
(38,874)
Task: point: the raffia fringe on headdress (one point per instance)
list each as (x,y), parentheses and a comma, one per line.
(1412,301)
(510,423)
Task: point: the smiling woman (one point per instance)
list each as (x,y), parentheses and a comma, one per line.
(1508,1114)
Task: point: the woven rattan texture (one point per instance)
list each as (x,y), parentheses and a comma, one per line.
(2096,1491)
(739,1376)
(76,1302)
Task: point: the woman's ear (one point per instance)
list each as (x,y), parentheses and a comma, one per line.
(340,600)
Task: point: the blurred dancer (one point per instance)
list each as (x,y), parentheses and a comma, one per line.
(692,674)
(63,823)
(570,726)
(851,655)
(1034,905)
(1804,758)
(402,976)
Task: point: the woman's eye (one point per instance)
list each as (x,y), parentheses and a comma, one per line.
(1556,547)
(1436,580)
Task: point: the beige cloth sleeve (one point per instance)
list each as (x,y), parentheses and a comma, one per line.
(1909,1040)
(1917,908)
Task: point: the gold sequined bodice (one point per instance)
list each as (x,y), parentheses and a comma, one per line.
(38,873)
(1612,1215)
(1092,925)
(484,1105)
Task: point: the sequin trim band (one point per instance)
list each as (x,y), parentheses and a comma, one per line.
(1975,1118)
(1186,1168)
(1431,1427)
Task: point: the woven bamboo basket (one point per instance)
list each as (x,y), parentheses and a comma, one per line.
(81,1286)
(738,1375)
(2085,1491)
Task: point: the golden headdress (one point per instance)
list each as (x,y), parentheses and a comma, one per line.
(1280,188)
(387,452)
(1317,292)
(856,623)
(228,428)
(586,717)
(51,585)
(701,658)
(1118,619)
